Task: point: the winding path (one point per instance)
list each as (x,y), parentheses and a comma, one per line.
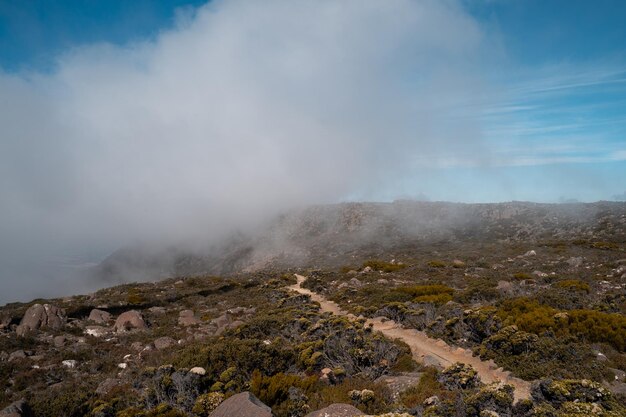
(425,349)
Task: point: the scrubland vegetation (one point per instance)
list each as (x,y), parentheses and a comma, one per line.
(551,311)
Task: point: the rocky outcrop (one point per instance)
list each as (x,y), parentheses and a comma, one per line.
(244,404)
(99,316)
(129,320)
(337,410)
(17,409)
(46,316)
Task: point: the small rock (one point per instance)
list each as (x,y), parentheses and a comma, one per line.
(157,310)
(107,386)
(129,320)
(354,282)
(122,365)
(95,331)
(530,253)
(99,316)
(432,401)
(366,270)
(18,354)
(59,341)
(5,323)
(198,370)
(187,318)
(70,363)
(164,343)
(575,262)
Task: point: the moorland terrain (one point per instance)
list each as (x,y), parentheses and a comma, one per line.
(412,308)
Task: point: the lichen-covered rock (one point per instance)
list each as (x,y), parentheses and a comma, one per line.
(129,320)
(244,404)
(38,316)
(459,376)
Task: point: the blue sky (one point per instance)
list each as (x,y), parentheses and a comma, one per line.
(553,117)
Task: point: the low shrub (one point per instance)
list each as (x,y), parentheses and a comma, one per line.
(436,264)
(574,285)
(427,387)
(422,290)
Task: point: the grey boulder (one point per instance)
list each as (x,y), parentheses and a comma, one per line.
(99,316)
(38,316)
(244,404)
(129,320)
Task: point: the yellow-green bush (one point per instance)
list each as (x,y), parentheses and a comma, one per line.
(417,291)
(574,285)
(206,403)
(436,264)
(593,326)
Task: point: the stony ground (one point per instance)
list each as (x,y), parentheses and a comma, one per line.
(542,297)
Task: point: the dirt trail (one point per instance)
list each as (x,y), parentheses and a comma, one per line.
(425,349)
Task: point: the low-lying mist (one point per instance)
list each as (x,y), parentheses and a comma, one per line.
(241,111)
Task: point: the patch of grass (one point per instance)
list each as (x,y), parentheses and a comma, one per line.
(425,388)
(522,276)
(436,264)
(574,285)
(605,245)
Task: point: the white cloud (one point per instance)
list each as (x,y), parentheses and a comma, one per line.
(243,109)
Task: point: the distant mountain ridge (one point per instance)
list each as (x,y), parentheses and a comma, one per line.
(327,235)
